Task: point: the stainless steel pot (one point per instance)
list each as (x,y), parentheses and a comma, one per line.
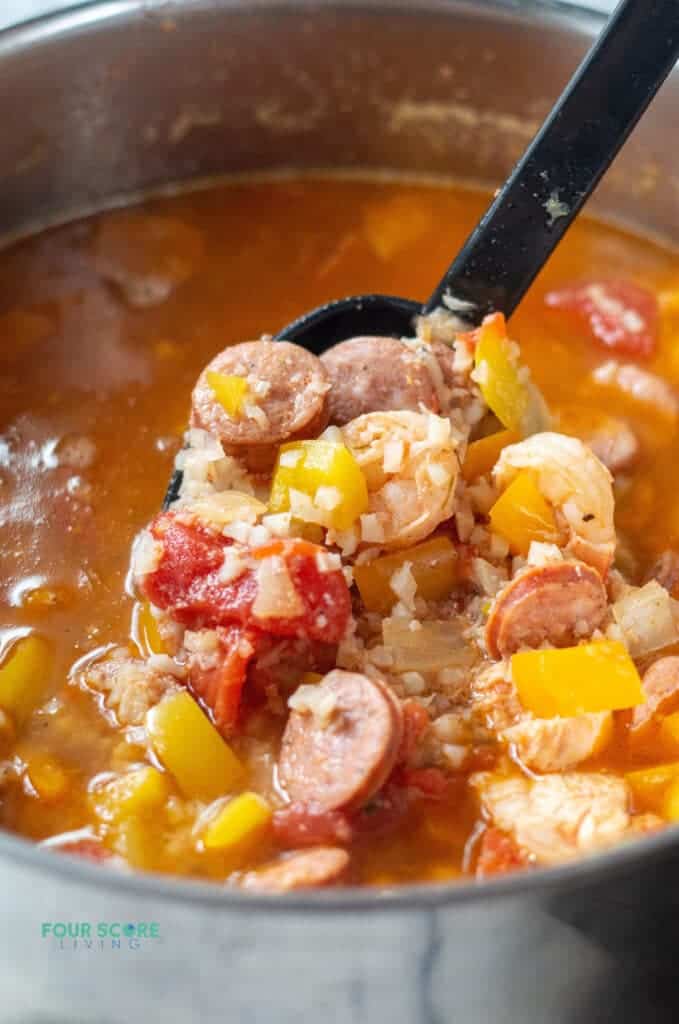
(114,99)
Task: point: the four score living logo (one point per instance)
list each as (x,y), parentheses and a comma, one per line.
(100,936)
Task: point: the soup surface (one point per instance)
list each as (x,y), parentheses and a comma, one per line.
(105,326)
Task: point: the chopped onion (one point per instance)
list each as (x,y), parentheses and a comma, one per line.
(313,699)
(645,616)
(277,597)
(225,507)
(435,646)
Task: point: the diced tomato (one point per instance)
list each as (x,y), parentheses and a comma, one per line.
(219,686)
(189,553)
(415,724)
(187,583)
(619,314)
(308,825)
(88,849)
(499,854)
(325,595)
(431,782)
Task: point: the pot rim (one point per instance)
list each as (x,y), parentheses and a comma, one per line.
(426,895)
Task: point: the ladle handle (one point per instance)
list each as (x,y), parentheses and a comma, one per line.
(594,116)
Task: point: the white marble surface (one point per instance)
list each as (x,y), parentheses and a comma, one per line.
(17,10)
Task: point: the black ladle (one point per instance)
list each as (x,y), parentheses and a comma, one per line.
(543,195)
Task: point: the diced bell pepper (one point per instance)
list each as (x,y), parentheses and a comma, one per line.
(483,454)
(230,391)
(320,482)
(190,747)
(521,515)
(435,566)
(504,383)
(598,676)
(147,630)
(47,776)
(24,676)
(239,825)
(649,786)
(138,792)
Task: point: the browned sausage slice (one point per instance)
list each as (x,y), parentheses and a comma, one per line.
(559,603)
(340,747)
(286,400)
(302,869)
(376,375)
(661,686)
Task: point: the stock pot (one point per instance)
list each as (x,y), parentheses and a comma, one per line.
(112,100)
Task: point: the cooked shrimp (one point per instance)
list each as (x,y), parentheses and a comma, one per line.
(576,483)
(540,744)
(557,817)
(558,744)
(410,462)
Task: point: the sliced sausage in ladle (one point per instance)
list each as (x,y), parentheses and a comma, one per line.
(376,375)
(286,400)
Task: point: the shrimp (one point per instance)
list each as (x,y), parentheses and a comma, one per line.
(557,744)
(540,744)
(556,818)
(411,464)
(576,483)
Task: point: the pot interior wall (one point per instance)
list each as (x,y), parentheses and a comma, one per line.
(125,97)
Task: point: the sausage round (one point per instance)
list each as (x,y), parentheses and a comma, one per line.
(291,404)
(661,686)
(559,603)
(302,869)
(338,751)
(376,375)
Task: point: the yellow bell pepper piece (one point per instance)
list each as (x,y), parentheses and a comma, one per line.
(670,806)
(669,301)
(649,786)
(24,676)
(191,749)
(598,676)
(146,628)
(669,731)
(137,792)
(504,383)
(326,476)
(238,825)
(521,514)
(483,454)
(434,565)
(47,776)
(230,391)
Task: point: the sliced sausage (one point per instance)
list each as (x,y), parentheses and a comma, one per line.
(661,686)
(557,603)
(303,869)
(341,741)
(287,400)
(376,375)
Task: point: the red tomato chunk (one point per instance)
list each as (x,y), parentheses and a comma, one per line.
(619,314)
(187,583)
(498,855)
